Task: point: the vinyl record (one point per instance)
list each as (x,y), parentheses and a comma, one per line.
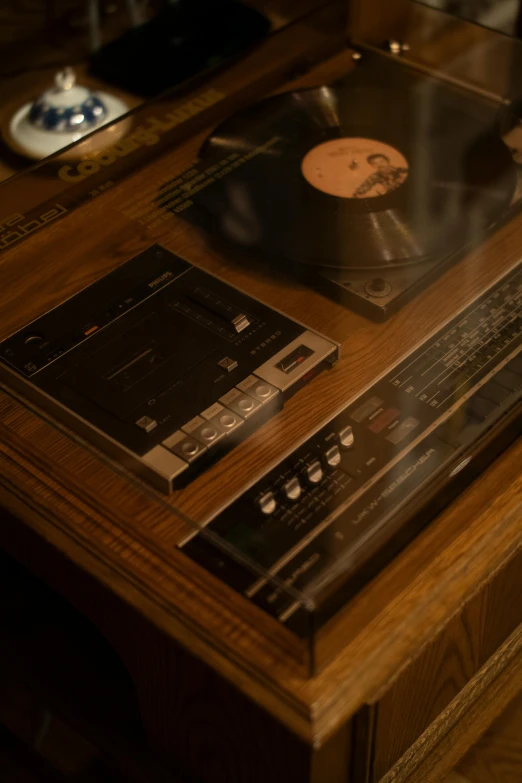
(353,177)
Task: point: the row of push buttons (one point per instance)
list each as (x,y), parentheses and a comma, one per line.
(221,419)
(312,474)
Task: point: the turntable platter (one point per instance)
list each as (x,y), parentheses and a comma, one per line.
(352,178)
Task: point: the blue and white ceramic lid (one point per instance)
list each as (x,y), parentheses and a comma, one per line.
(67,107)
(61,116)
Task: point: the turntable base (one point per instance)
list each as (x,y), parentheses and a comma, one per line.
(417,664)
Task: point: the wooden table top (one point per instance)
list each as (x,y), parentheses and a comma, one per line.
(125,537)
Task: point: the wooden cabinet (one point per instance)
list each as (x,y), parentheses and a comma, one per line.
(458,654)
(413,668)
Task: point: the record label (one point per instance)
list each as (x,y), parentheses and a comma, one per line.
(354,168)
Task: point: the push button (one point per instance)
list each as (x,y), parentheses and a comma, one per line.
(258,389)
(184,446)
(208,434)
(228,421)
(240,403)
(147,424)
(225,420)
(189,447)
(204,431)
(264,391)
(227,364)
(292,489)
(333,456)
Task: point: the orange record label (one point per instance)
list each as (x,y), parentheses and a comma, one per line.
(354,168)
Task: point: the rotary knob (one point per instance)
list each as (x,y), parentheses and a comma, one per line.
(346,437)
(314,472)
(333,456)
(267,503)
(378,284)
(33,339)
(292,489)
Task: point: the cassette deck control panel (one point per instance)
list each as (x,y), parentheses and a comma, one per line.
(163,365)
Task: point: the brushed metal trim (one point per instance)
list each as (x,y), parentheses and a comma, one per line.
(164,463)
(281,380)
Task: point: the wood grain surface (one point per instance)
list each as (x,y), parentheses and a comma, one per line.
(461,724)
(445,667)
(497,756)
(123,535)
(456,777)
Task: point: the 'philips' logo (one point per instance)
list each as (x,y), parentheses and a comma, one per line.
(160,280)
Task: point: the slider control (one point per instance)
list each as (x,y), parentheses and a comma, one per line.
(239,321)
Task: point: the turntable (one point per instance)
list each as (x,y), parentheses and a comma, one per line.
(382,180)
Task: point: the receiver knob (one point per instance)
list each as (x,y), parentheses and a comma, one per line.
(33,339)
(267,503)
(314,472)
(292,489)
(333,456)
(346,437)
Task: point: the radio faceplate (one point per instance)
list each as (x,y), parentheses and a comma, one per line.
(163,365)
(321,523)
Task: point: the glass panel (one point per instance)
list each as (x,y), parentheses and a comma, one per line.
(498,15)
(298,329)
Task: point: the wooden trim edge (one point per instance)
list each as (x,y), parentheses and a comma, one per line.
(470,713)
